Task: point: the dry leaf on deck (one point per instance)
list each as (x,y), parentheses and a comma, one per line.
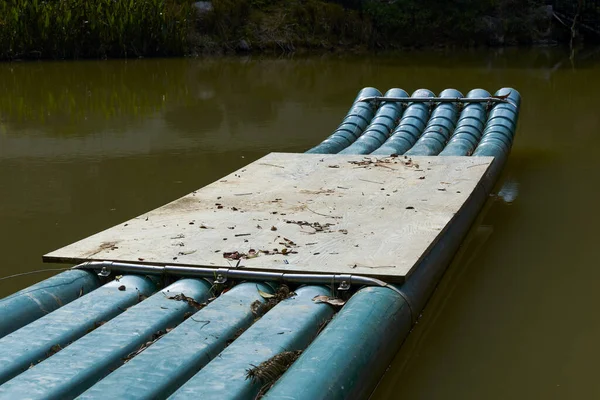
(329,300)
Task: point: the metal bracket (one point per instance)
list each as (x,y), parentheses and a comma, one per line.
(104,272)
(221,277)
(345,282)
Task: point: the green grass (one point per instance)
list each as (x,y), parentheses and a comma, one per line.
(66,29)
(93,28)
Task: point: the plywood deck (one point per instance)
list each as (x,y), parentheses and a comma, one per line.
(315,213)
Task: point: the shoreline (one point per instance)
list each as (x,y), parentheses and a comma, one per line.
(312,52)
(179,28)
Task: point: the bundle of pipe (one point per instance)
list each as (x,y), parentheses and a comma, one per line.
(166,365)
(380,127)
(33,342)
(468,128)
(499,132)
(501,125)
(344,361)
(72,370)
(410,127)
(353,125)
(439,127)
(290,326)
(29,304)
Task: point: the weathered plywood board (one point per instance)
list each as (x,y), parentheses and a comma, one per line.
(328,213)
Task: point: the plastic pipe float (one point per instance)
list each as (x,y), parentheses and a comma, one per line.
(439,127)
(291,325)
(501,125)
(468,128)
(380,127)
(176,357)
(499,131)
(42,298)
(342,362)
(31,344)
(357,119)
(74,369)
(409,128)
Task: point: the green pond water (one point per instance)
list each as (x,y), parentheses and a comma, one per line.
(86,145)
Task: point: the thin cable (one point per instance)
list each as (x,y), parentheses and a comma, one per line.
(34,272)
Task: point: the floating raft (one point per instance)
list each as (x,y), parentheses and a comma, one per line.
(297,276)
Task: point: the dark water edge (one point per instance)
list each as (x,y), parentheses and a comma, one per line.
(86,145)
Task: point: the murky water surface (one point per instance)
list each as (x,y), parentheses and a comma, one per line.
(86,145)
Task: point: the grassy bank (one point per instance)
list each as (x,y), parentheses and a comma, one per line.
(93,28)
(65,29)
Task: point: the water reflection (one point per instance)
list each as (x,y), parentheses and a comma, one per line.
(58,98)
(509,191)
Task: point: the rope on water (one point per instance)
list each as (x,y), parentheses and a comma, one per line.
(34,272)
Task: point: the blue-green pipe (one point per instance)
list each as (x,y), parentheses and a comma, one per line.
(409,128)
(499,132)
(352,352)
(176,357)
(74,369)
(501,125)
(31,343)
(353,125)
(439,127)
(469,127)
(19,309)
(379,129)
(291,325)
